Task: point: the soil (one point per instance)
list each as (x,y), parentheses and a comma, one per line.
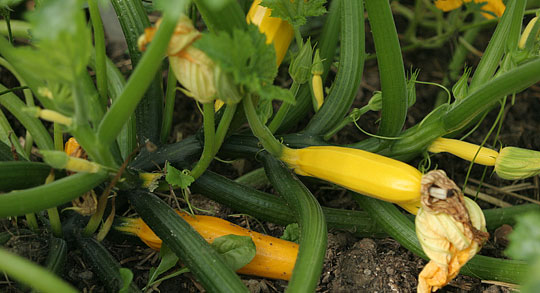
(351,264)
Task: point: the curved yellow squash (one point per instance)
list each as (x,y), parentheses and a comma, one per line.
(364,172)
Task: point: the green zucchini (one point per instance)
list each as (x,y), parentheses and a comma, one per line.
(309,215)
(57,255)
(351,65)
(204,262)
(271,208)
(5,152)
(103,264)
(22,174)
(20,202)
(134,20)
(56,258)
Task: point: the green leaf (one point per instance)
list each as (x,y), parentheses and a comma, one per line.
(525,239)
(168,260)
(291,233)
(295,12)
(60,31)
(244,54)
(127,277)
(272,92)
(237,251)
(9,3)
(177,177)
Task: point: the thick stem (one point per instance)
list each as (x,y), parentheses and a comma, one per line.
(283,110)
(99,44)
(209,139)
(270,143)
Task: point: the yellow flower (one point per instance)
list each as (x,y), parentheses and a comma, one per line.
(491,7)
(451,229)
(193,69)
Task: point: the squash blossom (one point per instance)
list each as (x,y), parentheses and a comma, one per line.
(193,69)
(492,8)
(450,227)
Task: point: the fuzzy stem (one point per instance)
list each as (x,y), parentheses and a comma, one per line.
(269,142)
(209,139)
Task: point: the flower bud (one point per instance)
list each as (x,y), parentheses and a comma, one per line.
(375,103)
(461,88)
(300,69)
(517,163)
(195,71)
(526,33)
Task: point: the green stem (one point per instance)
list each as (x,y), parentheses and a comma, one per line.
(270,143)
(8,137)
(391,68)
(283,110)
(345,122)
(310,218)
(166,122)
(54,219)
(15,106)
(31,221)
(32,274)
(99,44)
(127,140)
(223,127)
(58,137)
(18,28)
(42,197)
(507,32)
(6,13)
(95,220)
(209,140)
(125,104)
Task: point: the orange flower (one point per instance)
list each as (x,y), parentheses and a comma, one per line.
(491,7)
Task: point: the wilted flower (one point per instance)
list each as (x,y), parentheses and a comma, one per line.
(193,69)
(450,227)
(492,7)
(517,163)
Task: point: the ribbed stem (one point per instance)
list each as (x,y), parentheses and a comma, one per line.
(270,143)
(209,139)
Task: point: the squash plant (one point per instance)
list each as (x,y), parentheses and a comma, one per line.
(229,67)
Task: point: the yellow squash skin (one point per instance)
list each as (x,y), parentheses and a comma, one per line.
(464,150)
(364,172)
(277,31)
(275,257)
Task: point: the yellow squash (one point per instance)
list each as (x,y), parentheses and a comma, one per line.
(364,172)
(464,150)
(275,257)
